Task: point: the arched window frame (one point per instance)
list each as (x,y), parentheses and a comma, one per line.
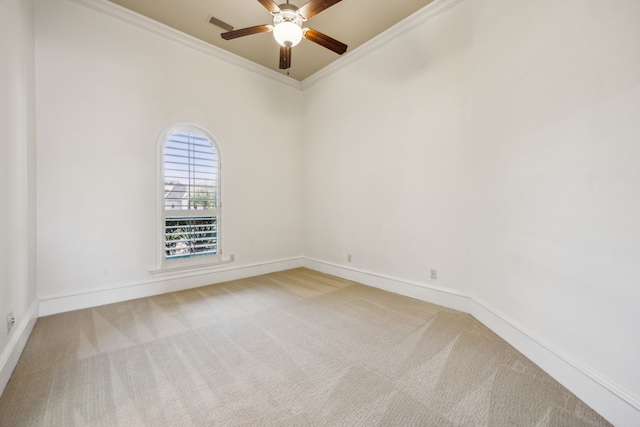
(196,261)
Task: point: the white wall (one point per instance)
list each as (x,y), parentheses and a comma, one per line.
(106,91)
(498,143)
(556,138)
(17,180)
(388,158)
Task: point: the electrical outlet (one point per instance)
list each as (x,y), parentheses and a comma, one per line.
(11,320)
(232,257)
(434,274)
(348,257)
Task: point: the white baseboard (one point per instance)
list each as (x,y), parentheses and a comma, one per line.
(611,401)
(423,292)
(615,404)
(11,354)
(93,298)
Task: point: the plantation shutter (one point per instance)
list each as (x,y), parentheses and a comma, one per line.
(191,196)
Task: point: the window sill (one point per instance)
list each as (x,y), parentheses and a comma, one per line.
(194,268)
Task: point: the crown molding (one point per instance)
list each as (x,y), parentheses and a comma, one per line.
(432,10)
(125,15)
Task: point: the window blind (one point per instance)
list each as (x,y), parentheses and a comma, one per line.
(190,172)
(191,196)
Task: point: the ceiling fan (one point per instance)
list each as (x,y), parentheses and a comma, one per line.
(287,28)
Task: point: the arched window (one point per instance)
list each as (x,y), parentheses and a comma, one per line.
(191,205)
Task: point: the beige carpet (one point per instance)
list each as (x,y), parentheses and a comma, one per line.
(296,348)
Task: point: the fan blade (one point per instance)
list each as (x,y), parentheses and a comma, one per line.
(325,41)
(270,5)
(246,32)
(313,7)
(285,57)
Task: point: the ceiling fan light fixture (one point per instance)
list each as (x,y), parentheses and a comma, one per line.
(287,33)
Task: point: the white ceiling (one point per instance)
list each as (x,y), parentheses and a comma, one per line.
(353,22)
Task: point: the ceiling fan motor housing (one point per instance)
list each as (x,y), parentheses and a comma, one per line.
(288,13)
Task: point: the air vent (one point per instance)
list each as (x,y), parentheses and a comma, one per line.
(218,23)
